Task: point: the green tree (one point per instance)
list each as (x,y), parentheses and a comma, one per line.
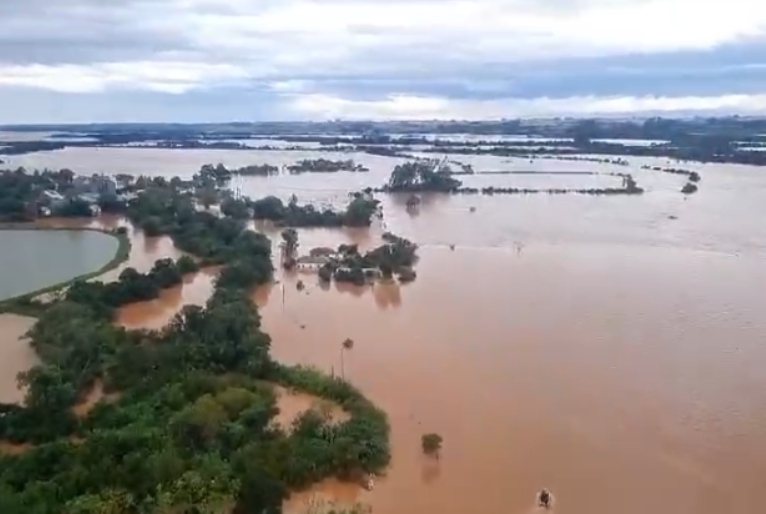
(431,443)
(109,501)
(290,241)
(186,265)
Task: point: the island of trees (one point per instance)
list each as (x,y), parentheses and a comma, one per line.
(347,263)
(427,176)
(189,424)
(256,170)
(303,166)
(325,166)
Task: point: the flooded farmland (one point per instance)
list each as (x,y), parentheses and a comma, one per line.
(606,348)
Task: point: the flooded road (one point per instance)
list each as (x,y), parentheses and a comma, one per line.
(609,349)
(17,355)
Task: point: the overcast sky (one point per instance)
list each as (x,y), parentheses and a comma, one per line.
(223,60)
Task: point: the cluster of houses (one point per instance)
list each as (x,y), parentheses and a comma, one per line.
(316,258)
(320,256)
(91,190)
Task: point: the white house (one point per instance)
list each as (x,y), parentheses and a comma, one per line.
(52,199)
(311,263)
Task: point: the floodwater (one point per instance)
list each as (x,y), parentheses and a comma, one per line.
(294,403)
(17,355)
(34,259)
(607,348)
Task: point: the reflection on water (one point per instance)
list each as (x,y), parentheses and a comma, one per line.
(430,469)
(616,360)
(387,294)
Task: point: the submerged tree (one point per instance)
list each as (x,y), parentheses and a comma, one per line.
(422,175)
(290,240)
(431,443)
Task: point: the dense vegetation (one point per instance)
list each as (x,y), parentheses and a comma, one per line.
(426,175)
(358,213)
(324,166)
(421,176)
(396,255)
(24,195)
(19,190)
(131,286)
(256,170)
(191,428)
(303,166)
(161,206)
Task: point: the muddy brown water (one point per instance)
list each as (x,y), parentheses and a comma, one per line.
(294,403)
(17,355)
(593,346)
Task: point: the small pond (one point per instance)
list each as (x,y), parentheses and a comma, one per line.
(35,259)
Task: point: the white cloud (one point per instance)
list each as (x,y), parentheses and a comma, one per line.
(298,47)
(280,39)
(351,36)
(429,108)
(167,77)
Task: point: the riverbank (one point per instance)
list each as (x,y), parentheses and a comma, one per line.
(23,304)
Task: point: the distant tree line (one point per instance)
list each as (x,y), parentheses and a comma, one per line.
(715,140)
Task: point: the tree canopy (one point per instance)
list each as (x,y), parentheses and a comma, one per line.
(191,427)
(422,176)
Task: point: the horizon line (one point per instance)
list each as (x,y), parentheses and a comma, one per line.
(599,117)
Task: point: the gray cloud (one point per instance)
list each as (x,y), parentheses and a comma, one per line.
(295,53)
(87,31)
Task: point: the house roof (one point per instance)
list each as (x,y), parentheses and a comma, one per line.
(322,250)
(53,195)
(309,259)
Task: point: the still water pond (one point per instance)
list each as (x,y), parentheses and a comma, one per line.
(34,259)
